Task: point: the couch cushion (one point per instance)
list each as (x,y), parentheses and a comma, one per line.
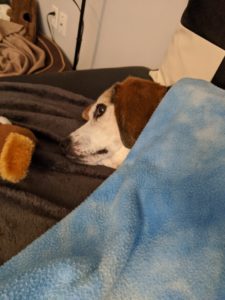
(197,48)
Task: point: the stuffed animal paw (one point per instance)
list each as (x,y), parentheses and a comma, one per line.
(17,145)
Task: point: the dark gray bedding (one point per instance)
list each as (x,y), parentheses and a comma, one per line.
(54,185)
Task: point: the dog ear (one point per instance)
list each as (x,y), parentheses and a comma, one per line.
(85,113)
(135,100)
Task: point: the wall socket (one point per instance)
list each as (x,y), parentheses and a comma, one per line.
(59,20)
(62,23)
(54,19)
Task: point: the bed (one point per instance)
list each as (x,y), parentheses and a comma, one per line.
(31,207)
(153,229)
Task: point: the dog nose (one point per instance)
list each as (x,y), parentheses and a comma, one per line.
(65,145)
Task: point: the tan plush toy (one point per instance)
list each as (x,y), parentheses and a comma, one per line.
(17,145)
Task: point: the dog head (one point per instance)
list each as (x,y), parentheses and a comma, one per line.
(114,122)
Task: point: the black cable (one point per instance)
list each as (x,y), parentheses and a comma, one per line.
(76,4)
(79,34)
(52,13)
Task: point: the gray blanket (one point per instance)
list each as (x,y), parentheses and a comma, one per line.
(54,185)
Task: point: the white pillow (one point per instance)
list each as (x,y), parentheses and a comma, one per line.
(189,55)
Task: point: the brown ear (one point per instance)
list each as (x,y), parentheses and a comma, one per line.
(135,101)
(85,112)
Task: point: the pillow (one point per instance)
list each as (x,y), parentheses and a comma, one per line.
(197,49)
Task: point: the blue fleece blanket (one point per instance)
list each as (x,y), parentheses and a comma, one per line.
(155,229)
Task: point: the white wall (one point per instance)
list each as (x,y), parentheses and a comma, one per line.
(137,32)
(118,32)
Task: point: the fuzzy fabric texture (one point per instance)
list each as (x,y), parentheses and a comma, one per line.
(18,54)
(54,185)
(17,145)
(155,228)
(15,157)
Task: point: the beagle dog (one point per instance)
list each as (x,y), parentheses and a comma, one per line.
(114,122)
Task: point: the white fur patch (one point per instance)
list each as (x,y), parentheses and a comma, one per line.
(98,135)
(4,120)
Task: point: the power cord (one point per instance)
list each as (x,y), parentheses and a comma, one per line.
(75,2)
(52,13)
(79,32)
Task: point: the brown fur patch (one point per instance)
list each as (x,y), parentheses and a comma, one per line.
(15,157)
(135,101)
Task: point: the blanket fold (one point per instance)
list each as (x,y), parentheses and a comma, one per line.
(17,54)
(152,230)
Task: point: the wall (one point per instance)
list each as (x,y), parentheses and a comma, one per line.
(137,32)
(67,43)
(118,32)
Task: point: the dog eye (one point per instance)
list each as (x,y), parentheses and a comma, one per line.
(99,111)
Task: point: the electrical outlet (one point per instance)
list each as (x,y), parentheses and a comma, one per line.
(54,19)
(62,23)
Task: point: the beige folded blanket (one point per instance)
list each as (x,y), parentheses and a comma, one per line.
(18,55)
